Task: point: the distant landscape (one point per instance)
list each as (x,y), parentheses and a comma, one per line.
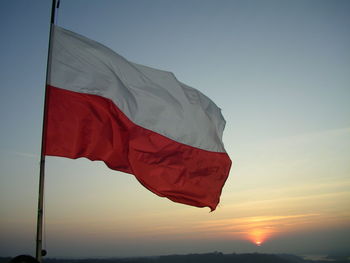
(216,257)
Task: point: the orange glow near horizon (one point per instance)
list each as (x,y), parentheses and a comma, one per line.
(258,237)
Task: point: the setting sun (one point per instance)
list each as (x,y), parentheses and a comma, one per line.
(258,237)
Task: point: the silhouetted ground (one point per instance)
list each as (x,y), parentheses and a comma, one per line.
(215,257)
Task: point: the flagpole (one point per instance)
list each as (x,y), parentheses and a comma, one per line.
(39,228)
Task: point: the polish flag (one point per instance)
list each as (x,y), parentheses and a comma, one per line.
(136,119)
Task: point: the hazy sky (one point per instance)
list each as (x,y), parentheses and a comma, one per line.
(280,71)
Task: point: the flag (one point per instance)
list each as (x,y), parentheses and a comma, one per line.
(134,118)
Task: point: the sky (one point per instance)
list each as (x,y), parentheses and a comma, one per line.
(278,69)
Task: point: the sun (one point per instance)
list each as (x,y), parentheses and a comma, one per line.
(258,236)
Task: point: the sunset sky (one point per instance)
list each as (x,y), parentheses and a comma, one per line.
(278,69)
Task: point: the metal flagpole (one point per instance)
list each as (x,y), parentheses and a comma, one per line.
(39,228)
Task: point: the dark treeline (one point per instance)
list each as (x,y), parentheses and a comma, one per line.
(215,257)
